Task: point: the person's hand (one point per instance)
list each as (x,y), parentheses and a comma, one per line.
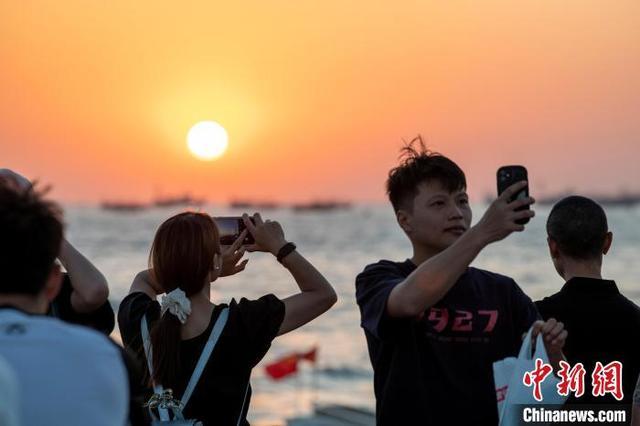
(500,218)
(554,336)
(14,180)
(231,255)
(268,235)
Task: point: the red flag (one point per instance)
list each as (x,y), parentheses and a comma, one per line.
(283,367)
(288,364)
(310,356)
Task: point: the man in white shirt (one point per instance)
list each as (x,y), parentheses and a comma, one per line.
(65,374)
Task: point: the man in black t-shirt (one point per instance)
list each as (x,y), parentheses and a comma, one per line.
(603,324)
(434,326)
(92,311)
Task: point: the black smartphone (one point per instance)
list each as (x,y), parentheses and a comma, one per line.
(507,176)
(230,228)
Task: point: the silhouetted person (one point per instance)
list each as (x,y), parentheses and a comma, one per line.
(603,325)
(66,374)
(186,257)
(434,325)
(83,296)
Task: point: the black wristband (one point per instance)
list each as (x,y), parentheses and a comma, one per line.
(285,251)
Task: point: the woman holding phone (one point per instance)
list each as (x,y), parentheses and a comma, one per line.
(186,257)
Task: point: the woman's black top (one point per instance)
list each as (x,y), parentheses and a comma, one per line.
(219,395)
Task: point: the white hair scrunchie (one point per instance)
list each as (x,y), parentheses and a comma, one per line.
(177,303)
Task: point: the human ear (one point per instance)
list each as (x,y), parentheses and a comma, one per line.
(556,258)
(404,220)
(553,248)
(608,239)
(217,267)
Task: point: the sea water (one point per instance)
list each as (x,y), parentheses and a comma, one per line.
(339,243)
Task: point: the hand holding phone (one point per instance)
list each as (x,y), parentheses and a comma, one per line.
(230,228)
(506,214)
(231,256)
(509,175)
(269,235)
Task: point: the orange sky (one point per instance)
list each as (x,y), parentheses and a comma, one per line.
(96,98)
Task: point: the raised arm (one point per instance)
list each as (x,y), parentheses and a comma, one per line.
(316,295)
(431,280)
(90,288)
(144,282)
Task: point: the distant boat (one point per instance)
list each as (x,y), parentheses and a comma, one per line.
(122,206)
(185,200)
(625,200)
(336,415)
(550,200)
(321,206)
(619,201)
(258,205)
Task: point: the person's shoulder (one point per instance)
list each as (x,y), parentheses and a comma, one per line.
(631,309)
(131,310)
(498,284)
(549,306)
(490,277)
(268,301)
(255,323)
(69,331)
(385,264)
(384,267)
(137,303)
(136,297)
(551,300)
(67,335)
(246,310)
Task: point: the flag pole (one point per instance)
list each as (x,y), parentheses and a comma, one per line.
(299,395)
(314,386)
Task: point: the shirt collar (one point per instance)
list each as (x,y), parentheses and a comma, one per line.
(7,306)
(585,285)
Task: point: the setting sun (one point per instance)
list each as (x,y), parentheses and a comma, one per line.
(207,140)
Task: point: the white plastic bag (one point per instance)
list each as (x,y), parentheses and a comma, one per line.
(510,388)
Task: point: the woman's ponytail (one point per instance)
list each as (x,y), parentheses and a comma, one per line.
(181,257)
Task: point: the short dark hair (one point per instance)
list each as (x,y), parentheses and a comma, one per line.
(579,226)
(31,231)
(419,165)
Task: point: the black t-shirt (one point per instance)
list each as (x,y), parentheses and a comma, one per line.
(218,397)
(438,369)
(602,325)
(102,319)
